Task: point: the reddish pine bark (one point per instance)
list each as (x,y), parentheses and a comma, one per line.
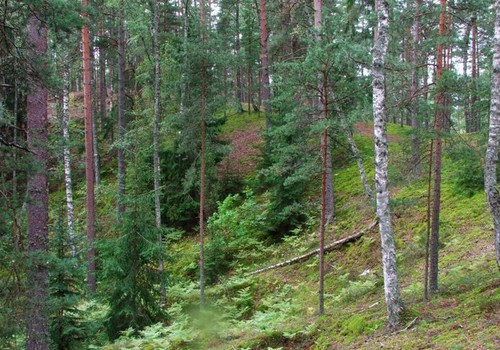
(38,204)
(89,150)
(438,127)
(203,157)
(265,89)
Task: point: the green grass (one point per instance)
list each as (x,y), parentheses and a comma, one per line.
(278,309)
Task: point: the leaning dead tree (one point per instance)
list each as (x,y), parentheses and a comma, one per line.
(328,248)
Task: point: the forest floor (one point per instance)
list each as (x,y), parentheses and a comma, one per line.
(277,309)
(465,313)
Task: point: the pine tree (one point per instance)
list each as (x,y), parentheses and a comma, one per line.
(38,205)
(89,151)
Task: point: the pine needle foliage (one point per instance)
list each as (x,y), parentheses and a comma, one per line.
(131,271)
(67,328)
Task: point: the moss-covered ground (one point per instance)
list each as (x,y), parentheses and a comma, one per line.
(277,309)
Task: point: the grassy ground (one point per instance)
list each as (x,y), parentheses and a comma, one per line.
(277,309)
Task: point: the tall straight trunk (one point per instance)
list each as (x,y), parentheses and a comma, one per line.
(438,127)
(426,95)
(239,90)
(249,84)
(89,150)
(327,180)
(322,228)
(265,88)
(38,204)
(491,160)
(391,287)
(465,60)
(407,57)
(102,83)
(185,32)
(67,157)
(475,125)
(428,224)
(93,66)
(203,154)
(447,66)
(473,98)
(14,172)
(156,137)
(121,113)
(95,146)
(415,122)
(323,105)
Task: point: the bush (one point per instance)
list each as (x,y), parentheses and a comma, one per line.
(469,172)
(237,230)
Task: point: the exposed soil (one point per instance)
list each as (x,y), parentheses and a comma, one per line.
(244,155)
(366,129)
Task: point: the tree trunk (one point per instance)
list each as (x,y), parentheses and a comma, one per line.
(415,123)
(185,32)
(428,224)
(67,156)
(38,205)
(475,125)
(202,155)
(94,114)
(426,95)
(121,113)
(265,88)
(391,286)
(438,127)
(465,60)
(473,98)
(323,224)
(239,89)
(491,160)
(102,83)
(359,162)
(156,137)
(89,151)
(323,104)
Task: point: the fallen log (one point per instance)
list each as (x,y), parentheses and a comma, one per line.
(328,248)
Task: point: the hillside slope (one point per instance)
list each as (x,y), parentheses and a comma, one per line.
(277,309)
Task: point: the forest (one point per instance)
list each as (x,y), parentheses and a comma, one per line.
(238,174)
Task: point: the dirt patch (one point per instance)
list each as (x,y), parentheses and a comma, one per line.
(366,129)
(244,155)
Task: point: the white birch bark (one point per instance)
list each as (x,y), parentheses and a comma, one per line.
(359,162)
(391,287)
(490,173)
(67,157)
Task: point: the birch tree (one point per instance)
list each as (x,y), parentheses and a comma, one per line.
(391,287)
(491,160)
(67,156)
